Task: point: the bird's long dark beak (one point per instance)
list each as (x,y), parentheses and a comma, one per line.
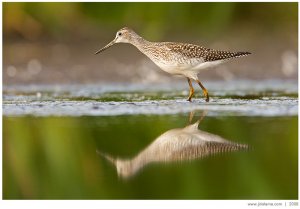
(106,156)
(107,46)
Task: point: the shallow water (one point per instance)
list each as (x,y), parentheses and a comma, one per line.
(269,98)
(69,158)
(147,142)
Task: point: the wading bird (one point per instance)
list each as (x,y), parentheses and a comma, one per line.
(177,58)
(175,145)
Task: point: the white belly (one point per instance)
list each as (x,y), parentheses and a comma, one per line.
(206,65)
(172,69)
(190,71)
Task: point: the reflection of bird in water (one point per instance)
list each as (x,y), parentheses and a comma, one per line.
(177,58)
(178,144)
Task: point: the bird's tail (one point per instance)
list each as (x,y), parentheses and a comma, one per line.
(241,54)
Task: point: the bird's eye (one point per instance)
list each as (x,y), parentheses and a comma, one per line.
(119,34)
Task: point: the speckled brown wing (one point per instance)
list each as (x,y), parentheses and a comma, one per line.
(194,151)
(208,55)
(214,55)
(188,50)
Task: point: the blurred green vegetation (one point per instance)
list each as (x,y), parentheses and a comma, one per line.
(55,158)
(79,20)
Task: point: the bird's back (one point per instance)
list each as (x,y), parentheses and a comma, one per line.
(192,51)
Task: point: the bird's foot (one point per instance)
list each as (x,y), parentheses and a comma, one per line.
(205,93)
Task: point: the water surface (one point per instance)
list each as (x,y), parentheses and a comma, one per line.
(56,158)
(104,143)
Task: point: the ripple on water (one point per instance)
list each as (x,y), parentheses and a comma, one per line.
(266,107)
(236,98)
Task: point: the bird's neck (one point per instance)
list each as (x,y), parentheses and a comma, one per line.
(140,43)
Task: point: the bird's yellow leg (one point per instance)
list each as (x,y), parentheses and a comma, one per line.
(205,92)
(191,90)
(192,113)
(204,113)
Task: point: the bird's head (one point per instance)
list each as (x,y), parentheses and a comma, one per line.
(124,35)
